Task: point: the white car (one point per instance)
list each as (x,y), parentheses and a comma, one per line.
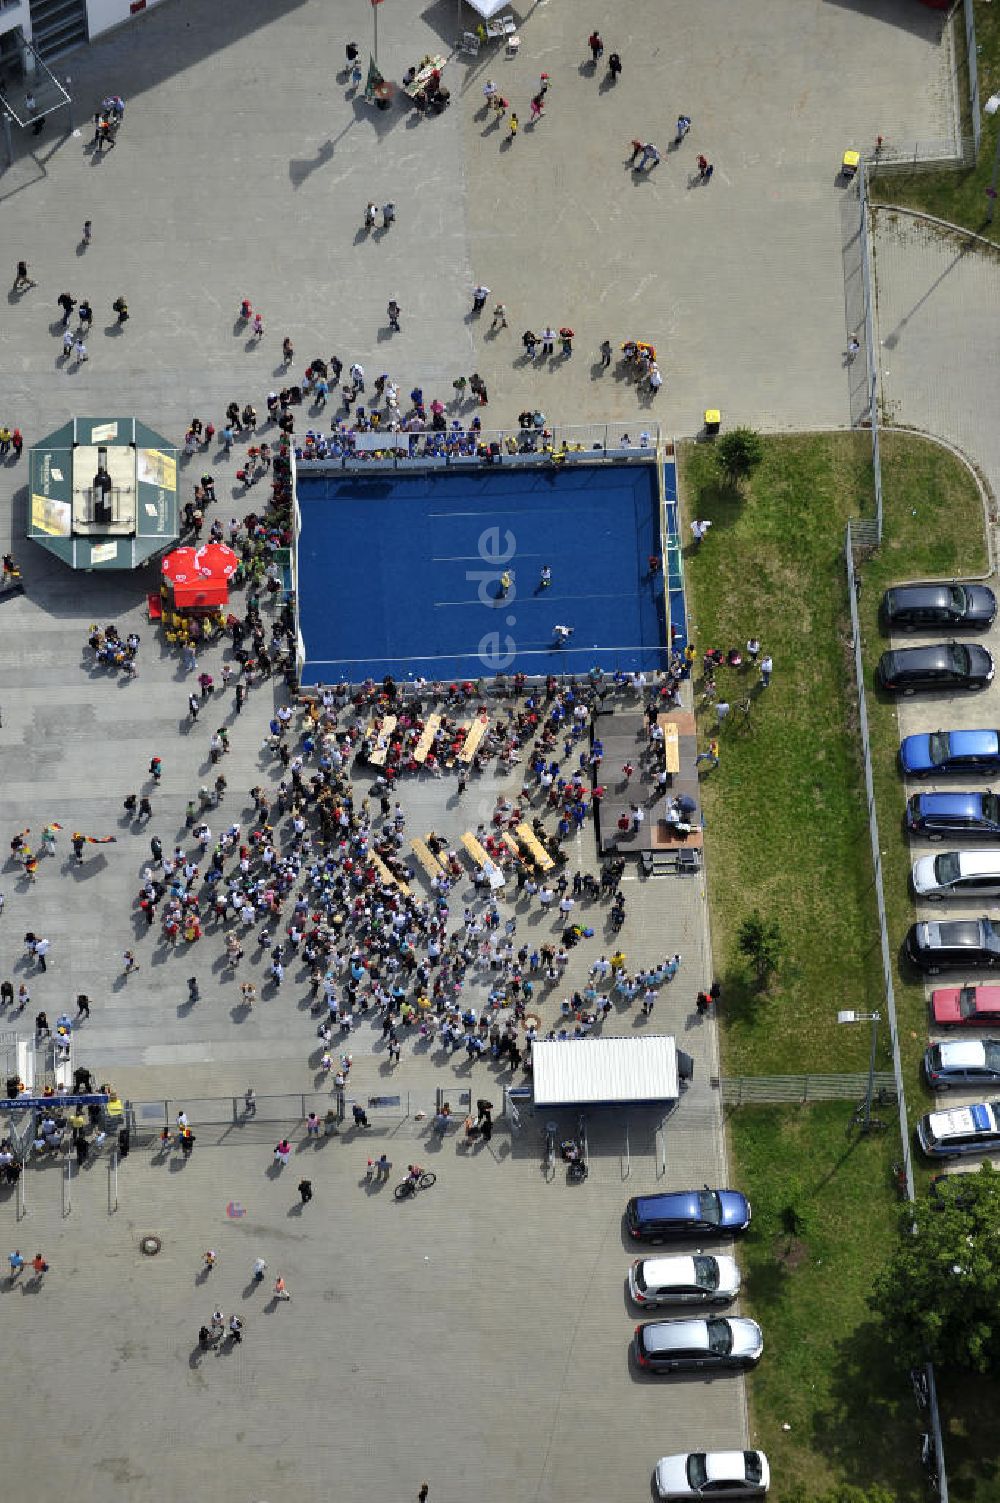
(702,1279)
(957,874)
(712,1474)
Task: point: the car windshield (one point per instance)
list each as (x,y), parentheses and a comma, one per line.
(991,807)
(959,599)
(992,1052)
(696,1470)
(939,746)
(710,1207)
(967,1002)
(640,1276)
(751,1460)
(720,1337)
(706,1273)
(991,934)
(961,658)
(946,867)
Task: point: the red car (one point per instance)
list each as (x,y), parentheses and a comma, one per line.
(966,1006)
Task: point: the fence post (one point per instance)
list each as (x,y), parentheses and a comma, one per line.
(113,1182)
(67,1191)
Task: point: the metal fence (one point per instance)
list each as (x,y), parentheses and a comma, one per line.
(871,356)
(148,1119)
(970,52)
(573,443)
(756,1090)
(922,156)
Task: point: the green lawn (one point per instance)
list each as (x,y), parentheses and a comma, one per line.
(959,197)
(824,1373)
(786,830)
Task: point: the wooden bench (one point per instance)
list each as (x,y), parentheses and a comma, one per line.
(427,859)
(427,735)
(382,739)
(534,847)
(387,876)
(473,739)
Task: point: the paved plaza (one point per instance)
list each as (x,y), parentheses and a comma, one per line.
(483,1349)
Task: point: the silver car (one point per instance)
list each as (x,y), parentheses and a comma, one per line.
(715,1343)
(711,1474)
(701,1279)
(957,874)
(966,1062)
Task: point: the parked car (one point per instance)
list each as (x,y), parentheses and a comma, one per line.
(973,815)
(686,1213)
(964,1062)
(703,1279)
(973,944)
(919,607)
(966,1007)
(711,1474)
(950,751)
(957,874)
(946,665)
(716,1343)
(960,1130)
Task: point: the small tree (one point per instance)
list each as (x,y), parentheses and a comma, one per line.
(738,453)
(939,1294)
(761,942)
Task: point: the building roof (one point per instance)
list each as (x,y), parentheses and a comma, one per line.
(604,1071)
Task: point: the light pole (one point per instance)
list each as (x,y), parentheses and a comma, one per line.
(990,108)
(848,1015)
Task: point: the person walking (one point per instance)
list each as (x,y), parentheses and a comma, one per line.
(422,1494)
(259,1270)
(614,67)
(393,310)
(499,317)
(479,296)
(710,754)
(42,947)
(305,1191)
(236,1329)
(514,123)
(548,341)
(69,340)
(388,215)
(766,669)
(88,232)
(16,1263)
(80,350)
(67,303)
(371,212)
(605,354)
(83,1005)
(699,530)
(281,1288)
(130,963)
(39,1267)
(21,278)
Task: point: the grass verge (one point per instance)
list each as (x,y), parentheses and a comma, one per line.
(959,197)
(786,831)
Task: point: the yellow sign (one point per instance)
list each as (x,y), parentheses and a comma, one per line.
(53,517)
(156,468)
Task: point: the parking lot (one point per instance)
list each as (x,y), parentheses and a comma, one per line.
(919,714)
(475,1337)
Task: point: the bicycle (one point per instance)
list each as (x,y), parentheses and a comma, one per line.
(921,1388)
(549,1160)
(411,1186)
(862,1116)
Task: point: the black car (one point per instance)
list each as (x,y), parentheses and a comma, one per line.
(919,607)
(946,665)
(971,944)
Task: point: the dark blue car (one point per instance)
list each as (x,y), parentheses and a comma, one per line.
(950,751)
(971,815)
(687,1213)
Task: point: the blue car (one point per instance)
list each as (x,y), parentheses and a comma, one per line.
(687,1213)
(950,751)
(970,815)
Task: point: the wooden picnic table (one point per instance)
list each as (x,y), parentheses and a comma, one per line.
(427,858)
(533,845)
(671,746)
(474,737)
(427,66)
(382,739)
(463,731)
(511,844)
(427,735)
(386,874)
(478,853)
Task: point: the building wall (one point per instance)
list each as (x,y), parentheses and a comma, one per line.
(15,15)
(103,14)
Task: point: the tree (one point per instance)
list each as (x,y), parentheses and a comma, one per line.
(761,942)
(939,1294)
(738,453)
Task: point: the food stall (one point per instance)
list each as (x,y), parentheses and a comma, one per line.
(195,589)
